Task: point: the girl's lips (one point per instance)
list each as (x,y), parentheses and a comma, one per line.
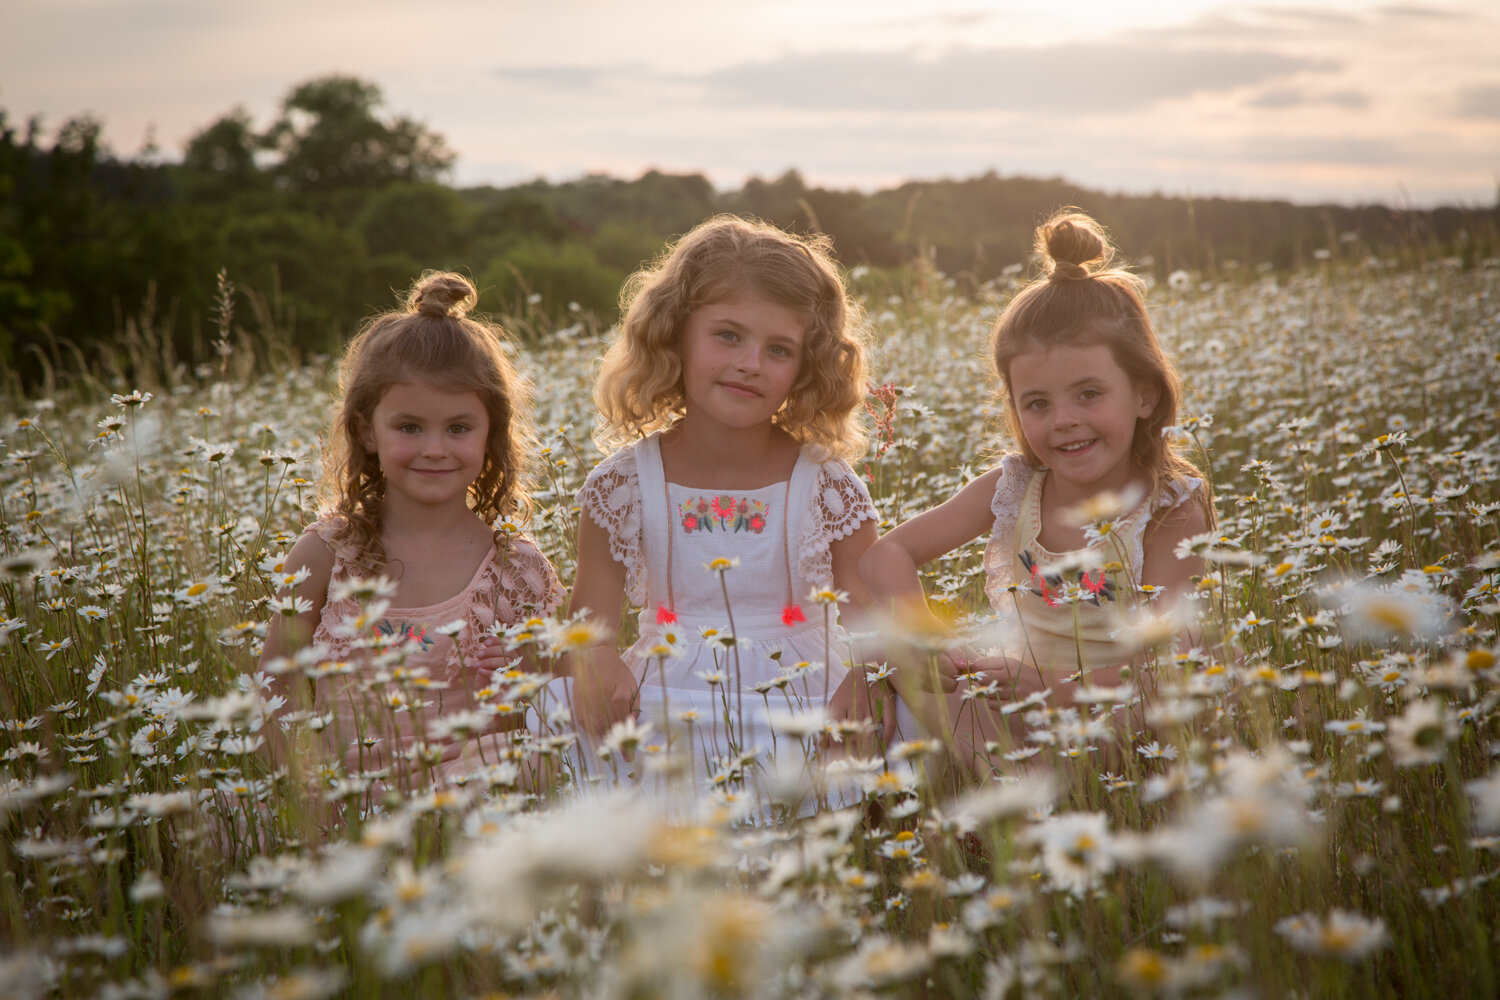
(1075,447)
(739,389)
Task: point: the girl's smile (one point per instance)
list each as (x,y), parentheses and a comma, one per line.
(430,441)
(1078,410)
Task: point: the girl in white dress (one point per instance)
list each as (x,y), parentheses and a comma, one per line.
(727,513)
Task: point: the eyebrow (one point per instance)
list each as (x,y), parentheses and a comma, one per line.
(466,415)
(1073,385)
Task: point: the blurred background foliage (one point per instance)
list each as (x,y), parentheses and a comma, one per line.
(331,209)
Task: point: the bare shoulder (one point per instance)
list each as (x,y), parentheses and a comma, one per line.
(313,554)
(1168,528)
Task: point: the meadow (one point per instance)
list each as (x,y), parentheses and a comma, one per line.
(1314,812)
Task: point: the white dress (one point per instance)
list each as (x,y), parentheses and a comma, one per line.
(706,694)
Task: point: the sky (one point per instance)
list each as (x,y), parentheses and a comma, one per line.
(1323,100)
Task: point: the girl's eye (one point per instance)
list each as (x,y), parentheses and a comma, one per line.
(1037,404)
(728,335)
(409,429)
(781,350)
(458,429)
(1089,394)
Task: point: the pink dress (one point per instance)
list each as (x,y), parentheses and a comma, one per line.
(398,689)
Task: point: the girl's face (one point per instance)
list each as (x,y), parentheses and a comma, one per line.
(430,441)
(1078,411)
(739,359)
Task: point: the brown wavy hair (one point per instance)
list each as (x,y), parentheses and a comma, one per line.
(431,338)
(639,389)
(1083,298)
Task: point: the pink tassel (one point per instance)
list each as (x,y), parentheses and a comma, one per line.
(665,615)
(791,615)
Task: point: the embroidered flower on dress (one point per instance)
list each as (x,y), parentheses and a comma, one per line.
(723,513)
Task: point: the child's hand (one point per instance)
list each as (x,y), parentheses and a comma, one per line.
(604,692)
(855,702)
(493,658)
(1017,680)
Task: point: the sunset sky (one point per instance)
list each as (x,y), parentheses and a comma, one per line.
(1325,100)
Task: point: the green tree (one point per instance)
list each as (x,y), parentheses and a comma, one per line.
(220,160)
(330,136)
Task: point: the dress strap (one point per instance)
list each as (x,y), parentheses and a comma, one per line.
(655,548)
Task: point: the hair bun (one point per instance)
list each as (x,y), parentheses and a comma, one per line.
(442,294)
(1069,242)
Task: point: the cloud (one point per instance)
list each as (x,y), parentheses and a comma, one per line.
(1070,79)
(1425,13)
(563,78)
(1293,97)
(1480,102)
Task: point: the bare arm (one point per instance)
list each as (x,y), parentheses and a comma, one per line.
(1163,569)
(285,634)
(890,570)
(890,566)
(603,687)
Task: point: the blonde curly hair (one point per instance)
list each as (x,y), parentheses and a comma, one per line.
(430,338)
(639,389)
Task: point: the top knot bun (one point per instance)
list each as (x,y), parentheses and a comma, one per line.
(1069,243)
(442,294)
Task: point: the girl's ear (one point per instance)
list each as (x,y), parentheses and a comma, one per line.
(1150,396)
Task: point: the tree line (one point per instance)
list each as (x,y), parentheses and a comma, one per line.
(319,216)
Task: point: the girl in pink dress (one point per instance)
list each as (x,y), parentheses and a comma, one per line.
(400,585)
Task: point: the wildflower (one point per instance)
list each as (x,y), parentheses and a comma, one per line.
(131,400)
(197,592)
(1342,934)
(624,737)
(577,635)
(1420,735)
(1486,795)
(1077,850)
(25,564)
(828,595)
(722,564)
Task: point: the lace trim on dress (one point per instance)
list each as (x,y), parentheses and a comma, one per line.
(1010,491)
(612,497)
(839,505)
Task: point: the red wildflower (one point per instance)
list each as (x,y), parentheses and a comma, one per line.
(665,615)
(792,614)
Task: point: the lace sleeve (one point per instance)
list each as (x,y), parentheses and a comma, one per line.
(612,497)
(840,503)
(520,583)
(1000,552)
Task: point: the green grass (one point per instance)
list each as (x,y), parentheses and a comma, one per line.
(1312,827)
